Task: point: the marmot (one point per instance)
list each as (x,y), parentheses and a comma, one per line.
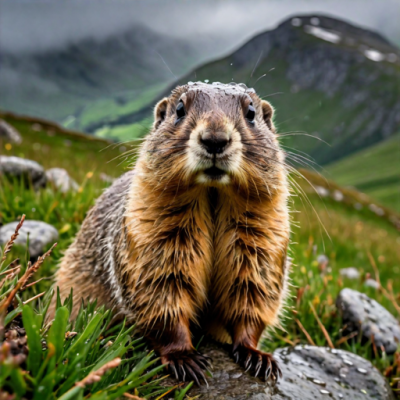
(196,235)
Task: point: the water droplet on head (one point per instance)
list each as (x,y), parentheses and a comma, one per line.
(362,370)
(324,391)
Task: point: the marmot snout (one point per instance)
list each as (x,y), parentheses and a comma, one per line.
(196,236)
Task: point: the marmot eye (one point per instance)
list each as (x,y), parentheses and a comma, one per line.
(251,113)
(180,110)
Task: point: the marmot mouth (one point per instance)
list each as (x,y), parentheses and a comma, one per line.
(214,172)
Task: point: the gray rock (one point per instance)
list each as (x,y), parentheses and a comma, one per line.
(322,259)
(41,236)
(23,169)
(361,313)
(309,372)
(9,133)
(371,283)
(61,180)
(350,273)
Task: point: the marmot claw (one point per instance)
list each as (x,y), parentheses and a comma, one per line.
(257,362)
(188,365)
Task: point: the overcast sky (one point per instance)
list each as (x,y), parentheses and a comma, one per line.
(39,25)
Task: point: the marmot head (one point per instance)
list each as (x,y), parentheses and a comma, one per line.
(214,135)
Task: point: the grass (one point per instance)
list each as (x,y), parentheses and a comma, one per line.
(346,235)
(67,359)
(374,171)
(53,147)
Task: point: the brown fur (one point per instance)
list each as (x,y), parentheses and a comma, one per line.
(189,249)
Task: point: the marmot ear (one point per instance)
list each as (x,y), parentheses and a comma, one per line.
(160,112)
(268,113)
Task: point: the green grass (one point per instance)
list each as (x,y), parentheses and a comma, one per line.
(349,237)
(68,359)
(51,146)
(374,171)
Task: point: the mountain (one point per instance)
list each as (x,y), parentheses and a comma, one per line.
(64,82)
(327,78)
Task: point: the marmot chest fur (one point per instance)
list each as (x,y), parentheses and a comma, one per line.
(197,234)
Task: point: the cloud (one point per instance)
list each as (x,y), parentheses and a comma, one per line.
(38,25)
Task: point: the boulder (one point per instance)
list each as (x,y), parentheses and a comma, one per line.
(309,372)
(9,133)
(41,236)
(22,169)
(363,314)
(372,283)
(61,180)
(350,273)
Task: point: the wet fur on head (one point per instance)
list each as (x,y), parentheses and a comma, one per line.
(253,154)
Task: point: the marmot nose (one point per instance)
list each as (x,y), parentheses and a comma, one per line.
(214,144)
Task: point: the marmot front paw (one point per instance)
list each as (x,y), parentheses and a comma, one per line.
(257,362)
(187,365)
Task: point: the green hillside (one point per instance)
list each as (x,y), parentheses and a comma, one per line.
(374,171)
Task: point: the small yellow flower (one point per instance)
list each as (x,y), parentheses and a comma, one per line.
(89,174)
(8,146)
(316,301)
(65,228)
(303,270)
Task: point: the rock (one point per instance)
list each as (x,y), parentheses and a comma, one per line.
(350,273)
(61,180)
(377,210)
(323,262)
(41,236)
(371,283)
(23,169)
(309,372)
(9,133)
(321,191)
(361,313)
(338,195)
